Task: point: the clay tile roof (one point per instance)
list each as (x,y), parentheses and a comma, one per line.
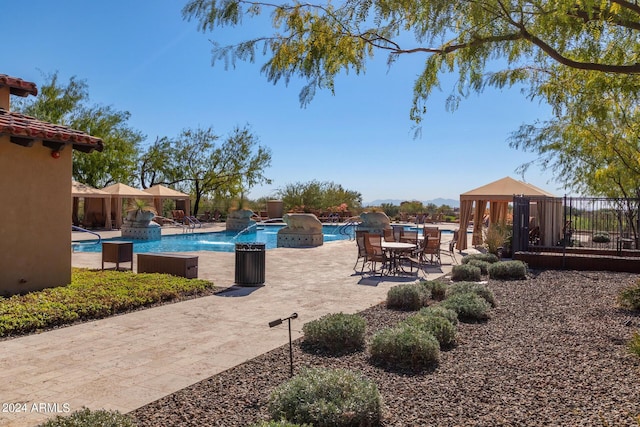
(18,86)
(24,130)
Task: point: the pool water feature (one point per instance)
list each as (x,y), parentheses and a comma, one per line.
(222,241)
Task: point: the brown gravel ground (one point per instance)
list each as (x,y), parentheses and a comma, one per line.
(552,354)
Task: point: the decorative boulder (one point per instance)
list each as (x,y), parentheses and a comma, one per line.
(374,222)
(240,219)
(302,231)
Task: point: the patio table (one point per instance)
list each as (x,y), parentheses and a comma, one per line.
(396,250)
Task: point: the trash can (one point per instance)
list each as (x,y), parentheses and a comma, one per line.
(250,263)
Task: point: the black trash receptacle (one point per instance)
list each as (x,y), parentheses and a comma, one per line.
(250,263)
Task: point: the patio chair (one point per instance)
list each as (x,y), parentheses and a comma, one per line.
(409,236)
(362,250)
(419,256)
(375,253)
(432,248)
(388,235)
(451,251)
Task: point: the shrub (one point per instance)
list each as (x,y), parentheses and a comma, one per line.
(405,347)
(634,344)
(490,258)
(466,272)
(629,297)
(482,265)
(441,328)
(327,397)
(282,423)
(439,310)
(601,238)
(476,288)
(336,333)
(410,297)
(469,306)
(88,418)
(508,270)
(436,288)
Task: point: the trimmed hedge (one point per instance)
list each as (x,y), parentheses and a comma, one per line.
(408,297)
(336,333)
(441,328)
(508,270)
(439,310)
(490,258)
(476,288)
(88,418)
(403,347)
(469,306)
(466,272)
(436,288)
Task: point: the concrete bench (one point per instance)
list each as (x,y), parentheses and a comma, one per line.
(175,264)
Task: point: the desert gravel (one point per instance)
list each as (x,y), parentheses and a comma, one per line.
(552,354)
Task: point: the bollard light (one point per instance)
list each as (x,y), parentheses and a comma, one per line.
(279,322)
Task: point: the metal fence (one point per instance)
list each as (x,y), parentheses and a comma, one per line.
(601,223)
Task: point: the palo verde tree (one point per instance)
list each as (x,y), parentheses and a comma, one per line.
(318,41)
(203,167)
(316,196)
(68,105)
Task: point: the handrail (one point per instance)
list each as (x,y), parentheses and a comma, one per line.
(344,227)
(84,230)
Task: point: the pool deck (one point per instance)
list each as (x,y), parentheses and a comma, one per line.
(126,361)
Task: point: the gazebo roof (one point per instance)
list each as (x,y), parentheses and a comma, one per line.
(165,192)
(504,189)
(124,190)
(83,190)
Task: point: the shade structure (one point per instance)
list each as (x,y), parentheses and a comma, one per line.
(160,192)
(118,193)
(97,205)
(498,194)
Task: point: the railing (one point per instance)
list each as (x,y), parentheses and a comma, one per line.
(84,230)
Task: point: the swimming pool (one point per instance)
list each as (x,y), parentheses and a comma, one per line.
(221,241)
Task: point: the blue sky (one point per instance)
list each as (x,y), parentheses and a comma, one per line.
(142,57)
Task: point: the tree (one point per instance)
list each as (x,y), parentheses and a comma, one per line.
(68,106)
(224,170)
(157,165)
(317,196)
(319,41)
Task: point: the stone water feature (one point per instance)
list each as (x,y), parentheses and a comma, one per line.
(240,219)
(138,225)
(374,222)
(302,231)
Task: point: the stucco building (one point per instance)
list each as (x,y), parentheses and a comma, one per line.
(35,183)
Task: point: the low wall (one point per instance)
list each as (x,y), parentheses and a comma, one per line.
(582,259)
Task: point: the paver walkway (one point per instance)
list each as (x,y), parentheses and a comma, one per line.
(127,361)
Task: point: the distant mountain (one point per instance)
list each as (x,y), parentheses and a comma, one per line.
(438,202)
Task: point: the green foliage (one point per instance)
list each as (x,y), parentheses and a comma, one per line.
(601,238)
(68,105)
(315,196)
(439,310)
(405,347)
(466,272)
(495,237)
(436,288)
(92,295)
(634,344)
(629,297)
(482,265)
(441,328)
(410,297)
(490,258)
(476,288)
(469,306)
(508,270)
(327,397)
(282,423)
(88,418)
(336,333)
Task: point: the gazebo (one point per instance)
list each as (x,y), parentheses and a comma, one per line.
(119,192)
(498,194)
(160,192)
(97,205)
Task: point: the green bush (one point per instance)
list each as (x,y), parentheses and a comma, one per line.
(327,397)
(405,347)
(410,297)
(282,423)
(601,238)
(436,288)
(634,344)
(441,328)
(88,418)
(439,310)
(469,306)
(336,333)
(466,272)
(629,297)
(490,258)
(508,270)
(482,265)
(476,288)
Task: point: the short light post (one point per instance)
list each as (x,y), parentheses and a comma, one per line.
(279,322)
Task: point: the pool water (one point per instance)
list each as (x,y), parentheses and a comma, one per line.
(221,241)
